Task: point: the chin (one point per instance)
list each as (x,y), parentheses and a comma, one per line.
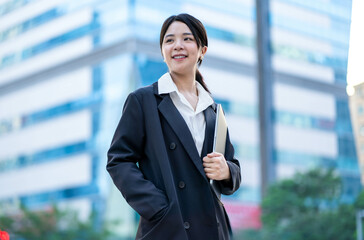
(181,71)
(178,72)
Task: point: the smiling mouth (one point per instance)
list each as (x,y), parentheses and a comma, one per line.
(179,57)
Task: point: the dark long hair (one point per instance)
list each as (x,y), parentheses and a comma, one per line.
(198,31)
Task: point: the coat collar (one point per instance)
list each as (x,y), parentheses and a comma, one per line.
(179,126)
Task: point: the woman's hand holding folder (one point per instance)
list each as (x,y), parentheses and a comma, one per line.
(215,166)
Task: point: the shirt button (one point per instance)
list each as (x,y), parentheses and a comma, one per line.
(181,184)
(172,146)
(186,225)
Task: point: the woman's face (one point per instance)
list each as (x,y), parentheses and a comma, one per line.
(179,49)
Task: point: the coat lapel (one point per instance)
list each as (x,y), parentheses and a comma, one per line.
(179,126)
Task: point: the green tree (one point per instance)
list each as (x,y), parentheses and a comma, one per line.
(53,224)
(306,206)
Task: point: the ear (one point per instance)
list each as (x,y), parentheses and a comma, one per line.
(203,51)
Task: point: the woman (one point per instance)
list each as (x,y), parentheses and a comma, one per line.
(161,155)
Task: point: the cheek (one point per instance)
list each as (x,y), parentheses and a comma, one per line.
(194,51)
(165,50)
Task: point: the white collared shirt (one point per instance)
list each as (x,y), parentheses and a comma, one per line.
(195,120)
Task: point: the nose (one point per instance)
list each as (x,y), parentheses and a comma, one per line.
(178,44)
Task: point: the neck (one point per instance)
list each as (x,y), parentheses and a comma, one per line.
(185,83)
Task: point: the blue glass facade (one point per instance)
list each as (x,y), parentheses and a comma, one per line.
(335,33)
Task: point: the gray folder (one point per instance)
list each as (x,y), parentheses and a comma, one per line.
(220,131)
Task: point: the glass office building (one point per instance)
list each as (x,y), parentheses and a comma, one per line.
(66,68)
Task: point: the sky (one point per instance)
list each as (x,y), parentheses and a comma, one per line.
(356,48)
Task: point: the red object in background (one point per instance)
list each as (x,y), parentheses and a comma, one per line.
(243,215)
(4,235)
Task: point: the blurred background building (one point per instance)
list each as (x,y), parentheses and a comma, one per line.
(66,68)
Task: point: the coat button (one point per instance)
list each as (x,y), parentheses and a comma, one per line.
(186,225)
(181,184)
(172,146)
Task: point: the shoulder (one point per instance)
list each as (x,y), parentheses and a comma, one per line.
(152,90)
(143,91)
(143,94)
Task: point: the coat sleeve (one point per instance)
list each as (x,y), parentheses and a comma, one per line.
(125,152)
(228,187)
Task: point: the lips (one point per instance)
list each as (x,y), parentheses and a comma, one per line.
(179,56)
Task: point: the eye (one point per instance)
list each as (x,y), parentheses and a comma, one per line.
(168,40)
(188,39)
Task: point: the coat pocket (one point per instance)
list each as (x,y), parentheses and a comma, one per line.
(168,225)
(147,226)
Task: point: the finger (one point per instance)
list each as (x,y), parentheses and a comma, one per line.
(209,170)
(219,159)
(208,160)
(206,165)
(211,164)
(210,175)
(215,160)
(215,154)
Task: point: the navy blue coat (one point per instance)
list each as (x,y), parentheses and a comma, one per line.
(154,163)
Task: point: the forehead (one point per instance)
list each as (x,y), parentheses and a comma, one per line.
(177,27)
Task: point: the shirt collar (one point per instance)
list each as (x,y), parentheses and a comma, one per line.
(166,85)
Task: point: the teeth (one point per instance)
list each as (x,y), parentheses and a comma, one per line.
(179,57)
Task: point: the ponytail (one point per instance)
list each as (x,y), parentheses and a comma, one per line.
(199,78)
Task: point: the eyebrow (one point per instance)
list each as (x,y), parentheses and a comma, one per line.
(171,35)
